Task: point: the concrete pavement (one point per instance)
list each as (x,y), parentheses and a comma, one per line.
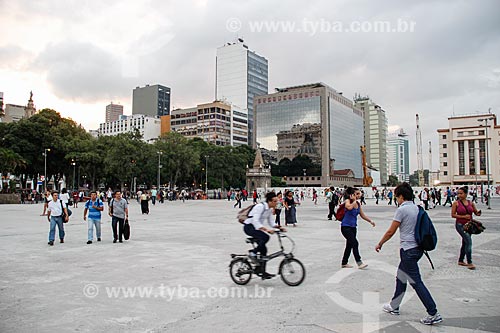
(172,276)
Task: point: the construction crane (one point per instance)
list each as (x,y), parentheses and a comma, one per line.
(430,164)
(420,162)
(367,180)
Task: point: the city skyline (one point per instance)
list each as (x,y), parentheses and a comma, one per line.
(76,60)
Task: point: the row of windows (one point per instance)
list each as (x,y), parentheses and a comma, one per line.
(470,133)
(288,97)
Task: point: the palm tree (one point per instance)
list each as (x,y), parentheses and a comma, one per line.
(10,161)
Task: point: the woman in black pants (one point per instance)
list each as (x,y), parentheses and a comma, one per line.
(349,224)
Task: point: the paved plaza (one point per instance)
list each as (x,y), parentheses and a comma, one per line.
(172,275)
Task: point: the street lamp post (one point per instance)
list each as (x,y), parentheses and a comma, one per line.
(206,175)
(73,163)
(159,167)
(486,125)
(45,169)
(304,181)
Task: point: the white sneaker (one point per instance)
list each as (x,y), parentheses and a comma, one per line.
(388,308)
(431,320)
(362,266)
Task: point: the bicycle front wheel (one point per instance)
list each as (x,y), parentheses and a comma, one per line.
(292,272)
(240,271)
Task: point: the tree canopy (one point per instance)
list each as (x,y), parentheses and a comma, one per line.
(115,161)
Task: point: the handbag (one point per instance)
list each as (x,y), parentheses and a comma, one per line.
(63,215)
(474,227)
(126,230)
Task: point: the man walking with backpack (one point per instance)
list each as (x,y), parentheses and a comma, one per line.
(411,251)
(94,206)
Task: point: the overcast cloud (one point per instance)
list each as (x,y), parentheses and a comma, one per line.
(79,55)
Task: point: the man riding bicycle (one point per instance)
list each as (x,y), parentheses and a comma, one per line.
(259,223)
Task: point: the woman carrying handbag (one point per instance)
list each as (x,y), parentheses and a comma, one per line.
(462,211)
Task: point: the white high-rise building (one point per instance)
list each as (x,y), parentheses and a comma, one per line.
(241,75)
(398,148)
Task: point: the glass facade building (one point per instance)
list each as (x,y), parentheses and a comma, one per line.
(312,120)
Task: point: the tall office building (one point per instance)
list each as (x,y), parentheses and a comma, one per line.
(398,149)
(375,135)
(315,122)
(113,112)
(241,75)
(153,101)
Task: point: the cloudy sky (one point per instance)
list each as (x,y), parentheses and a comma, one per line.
(77,56)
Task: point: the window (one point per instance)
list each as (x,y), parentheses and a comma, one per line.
(445,173)
(444,136)
(445,145)
(461,158)
(445,163)
(472,158)
(445,155)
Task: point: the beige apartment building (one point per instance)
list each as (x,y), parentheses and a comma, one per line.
(464,148)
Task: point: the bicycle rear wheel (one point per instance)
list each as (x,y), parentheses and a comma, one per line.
(292,272)
(240,271)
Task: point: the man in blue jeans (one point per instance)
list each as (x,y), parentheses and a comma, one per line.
(94,206)
(57,213)
(405,219)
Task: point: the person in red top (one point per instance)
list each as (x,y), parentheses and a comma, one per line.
(75,199)
(462,211)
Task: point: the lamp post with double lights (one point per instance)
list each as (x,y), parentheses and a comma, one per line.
(486,126)
(45,150)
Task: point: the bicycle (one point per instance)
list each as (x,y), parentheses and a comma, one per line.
(291,270)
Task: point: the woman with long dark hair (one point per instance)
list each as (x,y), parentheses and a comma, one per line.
(349,224)
(290,210)
(462,211)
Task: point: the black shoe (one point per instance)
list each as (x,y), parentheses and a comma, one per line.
(89,242)
(51,243)
(266,275)
(114,240)
(330,219)
(98,239)
(61,240)
(120,241)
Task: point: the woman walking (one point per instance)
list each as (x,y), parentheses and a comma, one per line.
(277,209)
(290,211)
(144,203)
(348,227)
(461,211)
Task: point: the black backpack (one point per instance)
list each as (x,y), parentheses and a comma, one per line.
(425,233)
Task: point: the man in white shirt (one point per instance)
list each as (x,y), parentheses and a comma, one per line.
(259,223)
(55,211)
